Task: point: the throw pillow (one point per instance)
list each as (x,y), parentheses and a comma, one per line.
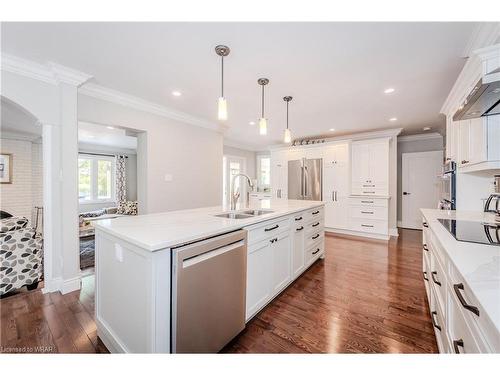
(127,208)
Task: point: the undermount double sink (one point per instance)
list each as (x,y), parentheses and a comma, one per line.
(245,214)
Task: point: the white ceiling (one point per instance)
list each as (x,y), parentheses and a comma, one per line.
(336,72)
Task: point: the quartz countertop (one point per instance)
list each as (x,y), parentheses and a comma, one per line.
(167,229)
(478,264)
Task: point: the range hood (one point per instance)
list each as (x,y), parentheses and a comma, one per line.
(483,100)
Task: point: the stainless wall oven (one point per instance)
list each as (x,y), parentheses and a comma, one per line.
(448,186)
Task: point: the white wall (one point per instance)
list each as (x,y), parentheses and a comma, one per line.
(413,144)
(25,192)
(249,156)
(190,154)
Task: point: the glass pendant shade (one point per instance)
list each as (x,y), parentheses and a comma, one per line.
(288,136)
(222,109)
(262,126)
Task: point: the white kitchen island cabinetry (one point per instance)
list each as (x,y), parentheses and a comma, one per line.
(134,301)
(462,282)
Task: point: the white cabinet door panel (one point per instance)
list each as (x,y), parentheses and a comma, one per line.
(259,276)
(281,249)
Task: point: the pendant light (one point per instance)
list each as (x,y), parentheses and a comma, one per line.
(222,51)
(288,133)
(262,120)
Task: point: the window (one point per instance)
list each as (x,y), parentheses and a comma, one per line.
(264,170)
(96,179)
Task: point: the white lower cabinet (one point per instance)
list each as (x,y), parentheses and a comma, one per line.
(369,215)
(459,324)
(279,251)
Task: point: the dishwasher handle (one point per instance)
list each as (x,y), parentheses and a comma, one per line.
(188,262)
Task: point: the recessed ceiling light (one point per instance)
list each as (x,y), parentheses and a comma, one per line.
(393,119)
(110,127)
(426,128)
(332,129)
(176,93)
(389,90)
(252,122)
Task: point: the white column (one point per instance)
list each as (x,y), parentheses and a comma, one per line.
(51,141)
(69,187)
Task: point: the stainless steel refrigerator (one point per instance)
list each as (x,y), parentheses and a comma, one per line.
(305,179)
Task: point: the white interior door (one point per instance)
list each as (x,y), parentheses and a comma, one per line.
(420,185)
(232,165)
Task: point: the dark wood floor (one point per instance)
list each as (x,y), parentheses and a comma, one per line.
(365,297)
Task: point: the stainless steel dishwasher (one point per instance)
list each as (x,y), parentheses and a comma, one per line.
(208,293)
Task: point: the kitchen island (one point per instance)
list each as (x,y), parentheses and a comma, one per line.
(136,288)
(462,279)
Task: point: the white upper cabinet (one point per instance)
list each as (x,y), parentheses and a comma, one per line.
(370,167)
(336,185)
(478,146)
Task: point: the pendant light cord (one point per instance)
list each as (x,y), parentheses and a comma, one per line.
(222,79)
(262,101)
(287,114)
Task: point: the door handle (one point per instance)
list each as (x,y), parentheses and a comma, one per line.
(457,344)
(406,193)
(333,195)
(458,288)
(433,314)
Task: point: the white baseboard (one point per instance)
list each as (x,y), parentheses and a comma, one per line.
(70,285)
(400,223)
(393,232)
(375,236)
(52,285)
(107,337)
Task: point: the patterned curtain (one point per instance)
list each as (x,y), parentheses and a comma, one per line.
(121,179)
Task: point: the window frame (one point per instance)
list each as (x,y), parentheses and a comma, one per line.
(259,170)
(94,180)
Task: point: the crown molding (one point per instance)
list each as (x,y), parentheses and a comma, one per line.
(51,72)
(103,93)
(486,34)
(21,136)
(419,137)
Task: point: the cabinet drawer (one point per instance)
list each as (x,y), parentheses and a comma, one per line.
(461,338)
(314,252)
(370,226)
(315,214)
(439,323)
(374,212)
(368,202)
(367,191)
(267,229)
(466,302)
(314,237)
(438,282)
(314,227)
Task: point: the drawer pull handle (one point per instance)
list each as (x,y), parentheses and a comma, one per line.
(315,225)
(436,281)
(368,185)
(434,313)
(314,237)
(425,247)
(368,192)
(371,202)
(458,288)
(272,228)
(367,212)
(273,240)
(425,225)
(425,276)
(315,212)
(299,229)
(298,218)
(457,344)
(315,252)
(367,226)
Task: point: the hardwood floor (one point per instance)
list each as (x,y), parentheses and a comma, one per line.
(365,297)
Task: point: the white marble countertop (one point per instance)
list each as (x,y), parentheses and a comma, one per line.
(478,264)
(163,230)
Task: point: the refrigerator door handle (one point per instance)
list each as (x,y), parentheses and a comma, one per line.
(333,195)
(306,187)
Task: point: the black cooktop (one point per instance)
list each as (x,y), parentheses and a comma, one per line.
(473,231)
